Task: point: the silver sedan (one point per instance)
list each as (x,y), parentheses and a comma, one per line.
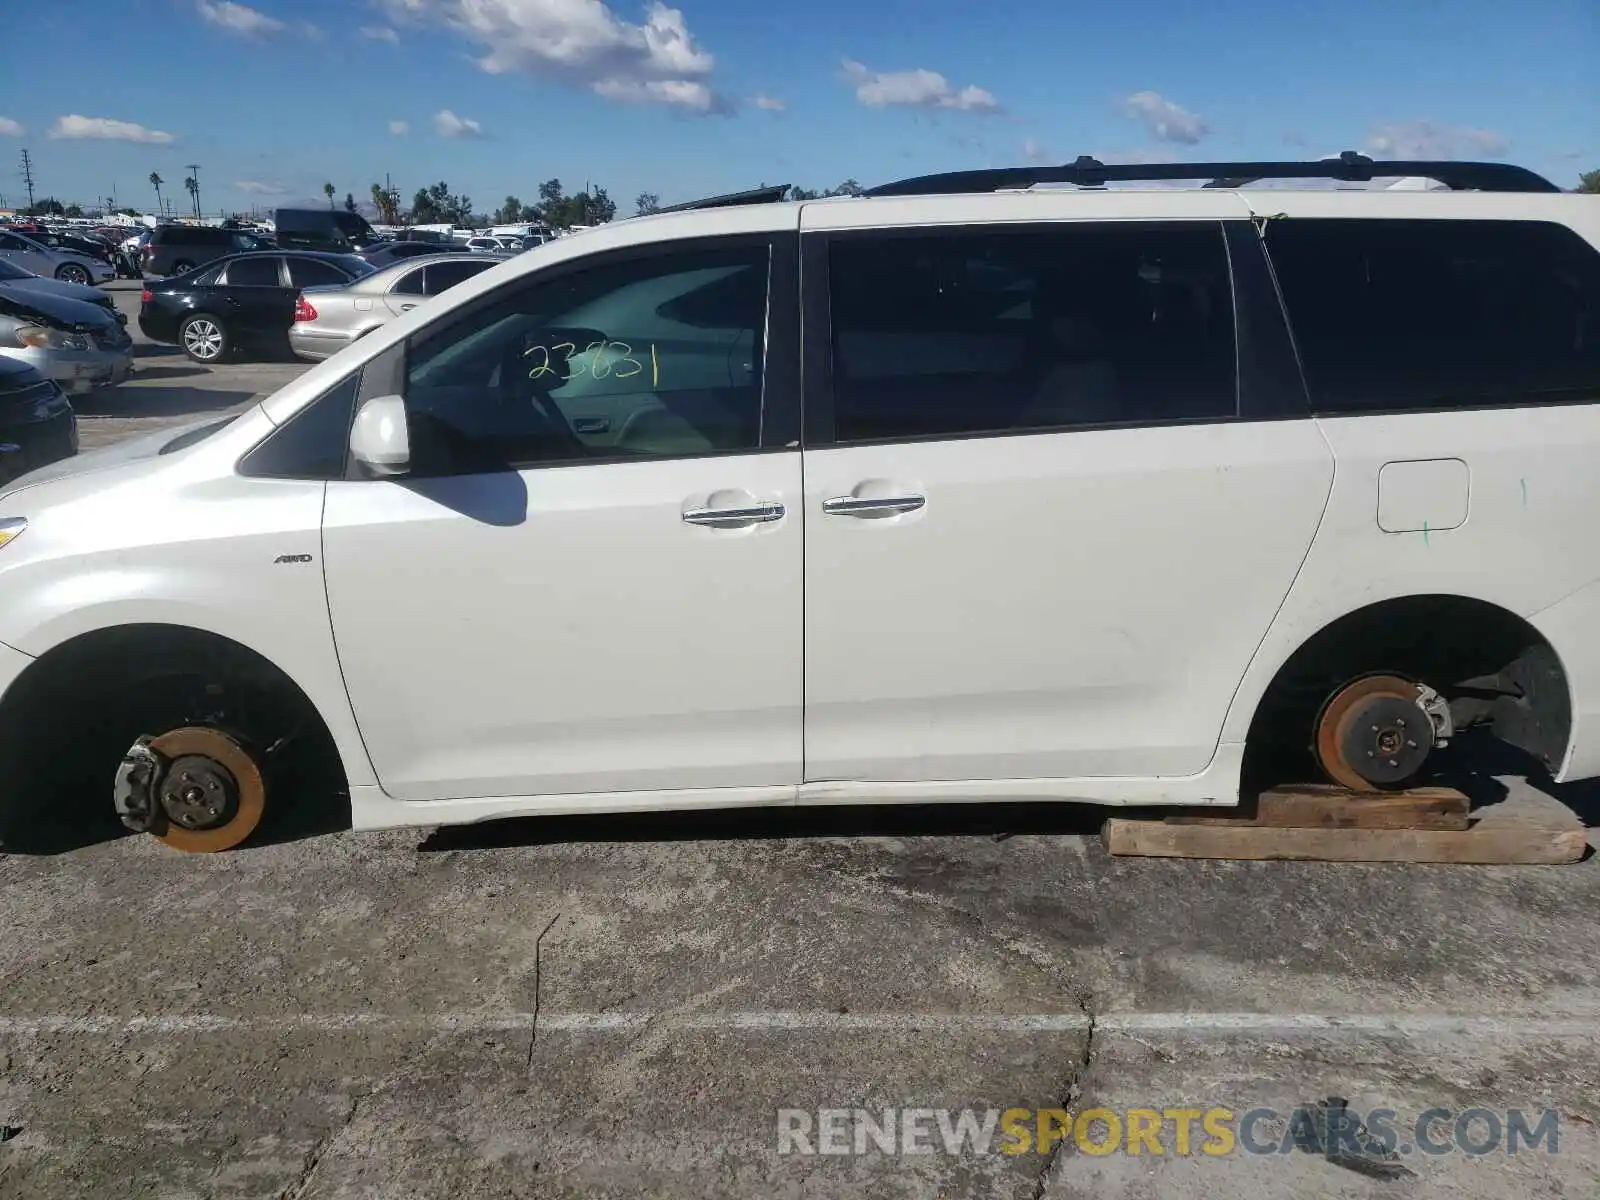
(327,319)
(65,265)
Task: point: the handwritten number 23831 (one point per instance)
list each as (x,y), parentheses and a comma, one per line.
(608,360)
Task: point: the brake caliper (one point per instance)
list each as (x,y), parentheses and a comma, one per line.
(134,792)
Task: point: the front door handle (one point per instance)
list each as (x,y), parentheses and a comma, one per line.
(869,506)
(736,517)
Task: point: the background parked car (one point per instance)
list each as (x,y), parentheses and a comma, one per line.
(80,346)
(326,320)
(383,254)
(243,300)
(37,424)
(80,242)
(329,229)
(179,249)
(12,276)
(65,265)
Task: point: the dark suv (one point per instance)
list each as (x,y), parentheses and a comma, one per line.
(179,249)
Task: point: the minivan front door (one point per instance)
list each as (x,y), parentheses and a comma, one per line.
(1043,538)
(543,607)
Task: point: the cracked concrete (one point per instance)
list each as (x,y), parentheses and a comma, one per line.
(203,1027)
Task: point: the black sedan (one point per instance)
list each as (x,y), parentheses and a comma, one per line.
(237,301)
(37,424)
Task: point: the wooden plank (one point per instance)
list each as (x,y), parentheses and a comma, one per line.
(1318,806)
(1528,827)
(1338,808)
(1511,842)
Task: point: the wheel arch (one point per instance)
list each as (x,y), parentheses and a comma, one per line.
(57,645)
(70,713)
(1444,639)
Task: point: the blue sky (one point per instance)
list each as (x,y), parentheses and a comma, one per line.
(702,96)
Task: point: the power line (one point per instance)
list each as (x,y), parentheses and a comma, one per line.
(27,175)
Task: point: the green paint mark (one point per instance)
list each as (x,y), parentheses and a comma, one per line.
(1425,533)
(1524,483)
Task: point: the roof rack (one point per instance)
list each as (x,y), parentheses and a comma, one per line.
(1348,167)
(760,195)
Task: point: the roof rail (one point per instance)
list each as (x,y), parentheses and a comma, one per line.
(760,195)
(1349,167)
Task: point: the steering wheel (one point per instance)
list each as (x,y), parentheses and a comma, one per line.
(528,379)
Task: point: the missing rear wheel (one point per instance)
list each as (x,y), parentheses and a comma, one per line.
(1373,734)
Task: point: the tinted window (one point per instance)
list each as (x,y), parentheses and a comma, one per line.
(308,272)
(1423,314)
(988,330)
(353,226)
(445,275)
(10,241)
(253,272)
(410,283)
(660,356)
(312,443)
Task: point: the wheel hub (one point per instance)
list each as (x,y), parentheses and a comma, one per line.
(211,793)
(199,792)
(1374,733)
(1386,739)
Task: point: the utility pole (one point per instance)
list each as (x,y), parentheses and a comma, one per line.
(194,173)
(27,175)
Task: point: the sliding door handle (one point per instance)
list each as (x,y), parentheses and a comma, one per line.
(736,517)
(872,506)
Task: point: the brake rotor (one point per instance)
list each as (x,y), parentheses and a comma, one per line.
(1372,734)
(212,794)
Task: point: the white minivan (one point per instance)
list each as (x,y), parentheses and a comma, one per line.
(965,490)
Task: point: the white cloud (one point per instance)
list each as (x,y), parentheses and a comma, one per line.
(399,128)
(915,89)
(447,124)
(1432,140)
(108,130)
(1034,153)
(256,187)
(10,128)
(380,33)
(684,93)
(1165,120)
(769,103)
(238,18)
(581,43)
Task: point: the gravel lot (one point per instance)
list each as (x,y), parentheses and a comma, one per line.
(620,1006)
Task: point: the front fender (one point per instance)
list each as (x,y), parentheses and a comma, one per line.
(247,568)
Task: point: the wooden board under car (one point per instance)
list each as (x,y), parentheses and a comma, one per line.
(1331,824)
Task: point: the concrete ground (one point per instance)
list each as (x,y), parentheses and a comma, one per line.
(621,1006)
(167,389)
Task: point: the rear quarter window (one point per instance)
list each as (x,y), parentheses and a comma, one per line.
(1421,314)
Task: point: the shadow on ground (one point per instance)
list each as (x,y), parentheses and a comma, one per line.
(175,371)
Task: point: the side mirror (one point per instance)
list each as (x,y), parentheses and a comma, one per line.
(379,438)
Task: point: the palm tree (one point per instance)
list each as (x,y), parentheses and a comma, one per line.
(380,202)
(192,186)
(156,181)
(327,190)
